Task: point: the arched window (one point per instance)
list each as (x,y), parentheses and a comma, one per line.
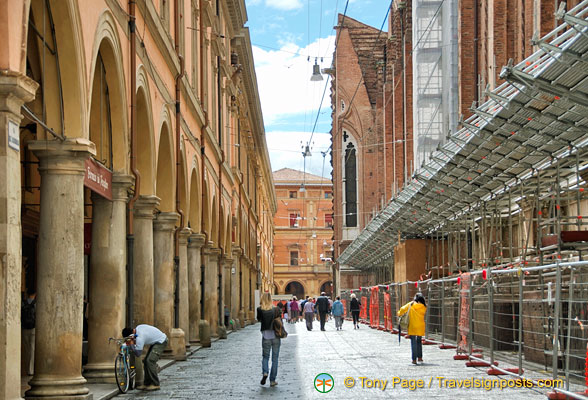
(350,186)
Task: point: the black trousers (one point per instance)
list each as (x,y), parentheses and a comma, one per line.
(323,317)
(355,315)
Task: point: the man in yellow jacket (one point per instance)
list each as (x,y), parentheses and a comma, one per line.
(416,325)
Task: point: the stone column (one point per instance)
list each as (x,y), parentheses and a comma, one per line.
(183,307)
(196,241)
(227,266)
(163,267)
(246,287)
(15,90)
(107,279)
(60,272)
(235,282)
(224,291)
(253,282)
(211,287)
(143,289)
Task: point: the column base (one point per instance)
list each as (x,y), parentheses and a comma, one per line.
(204,329)
(177,343)
(99,373)
(222,332)
(242,318)
(49,389)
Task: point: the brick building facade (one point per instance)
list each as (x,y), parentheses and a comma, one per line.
(384,100)
(303,248)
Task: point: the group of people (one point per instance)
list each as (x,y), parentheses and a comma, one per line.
(311,308)
(270,343)
(267,314)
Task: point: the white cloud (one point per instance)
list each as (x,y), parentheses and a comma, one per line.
(284,4)
(285,151)
(283,78)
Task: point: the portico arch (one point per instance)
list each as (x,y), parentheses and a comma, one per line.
(195,211)
(145,135)
(295,288)
(164,185)
(108,107)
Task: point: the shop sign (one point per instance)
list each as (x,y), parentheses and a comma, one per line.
(98,178)
(13,135)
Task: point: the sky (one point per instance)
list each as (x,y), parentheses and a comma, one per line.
(287,37)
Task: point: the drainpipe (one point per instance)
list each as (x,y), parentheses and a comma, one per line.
(133,157)
(404,161)
(202,155)
(476,33)
(221,309)
(178,157)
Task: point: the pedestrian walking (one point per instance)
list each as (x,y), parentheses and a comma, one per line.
(270,343)
(309,314)
(337,311)
(295,309)
(289,311)
(416,310)
(354,307)
(322,304)
(157,340)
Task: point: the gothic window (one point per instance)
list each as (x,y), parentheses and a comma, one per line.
(350,186)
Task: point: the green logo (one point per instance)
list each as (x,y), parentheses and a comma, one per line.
(324,383)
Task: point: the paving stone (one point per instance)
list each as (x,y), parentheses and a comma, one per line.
(232,368)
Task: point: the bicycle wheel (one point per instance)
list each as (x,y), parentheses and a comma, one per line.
(132,374)
(121,373)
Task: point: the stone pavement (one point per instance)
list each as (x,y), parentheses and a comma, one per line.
(232,368)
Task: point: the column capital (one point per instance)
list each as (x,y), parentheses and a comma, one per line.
(196,240)
(120,186)
(15,89)
(226,261)
(62,157)
(237,252)
(165,221)
(183,236)
(145,206)
(212,251)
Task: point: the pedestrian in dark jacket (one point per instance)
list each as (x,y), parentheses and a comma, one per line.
(266,314)
(322,304)
(354,307)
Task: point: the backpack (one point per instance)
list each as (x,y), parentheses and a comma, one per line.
(278,326)
(28,314)
(404,319)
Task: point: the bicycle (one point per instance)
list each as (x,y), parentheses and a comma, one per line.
(124,370)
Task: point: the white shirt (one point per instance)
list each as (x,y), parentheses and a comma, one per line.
(147,334)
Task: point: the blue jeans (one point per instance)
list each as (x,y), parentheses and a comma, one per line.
(274,346)
(416,345)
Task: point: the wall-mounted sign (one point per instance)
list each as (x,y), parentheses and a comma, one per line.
(98,178)
(13,135)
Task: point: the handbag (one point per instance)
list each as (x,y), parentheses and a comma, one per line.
(404,319)
(278,326)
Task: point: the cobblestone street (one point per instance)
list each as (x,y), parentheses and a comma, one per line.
(231,368)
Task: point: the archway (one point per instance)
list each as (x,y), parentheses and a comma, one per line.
(164,186)
(195,212)
(295,288)
(144,140)
(327,287)
(108,118)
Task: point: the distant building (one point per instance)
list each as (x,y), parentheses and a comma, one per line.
(303,245)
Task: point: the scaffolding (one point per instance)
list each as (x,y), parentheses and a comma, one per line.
(507,189)
(435,72)
(502,207)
